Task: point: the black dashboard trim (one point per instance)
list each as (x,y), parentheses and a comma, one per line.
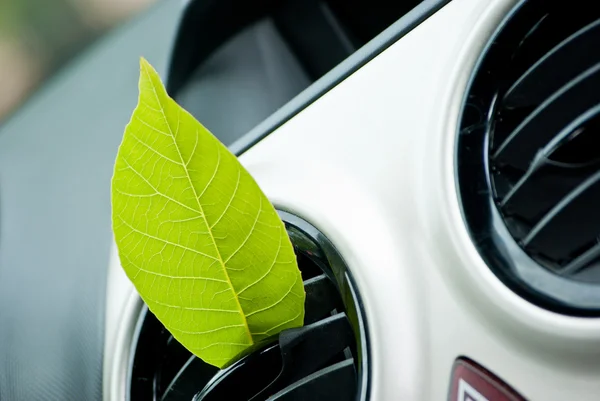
(342,71)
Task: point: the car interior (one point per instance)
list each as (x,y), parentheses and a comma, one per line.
(434,162)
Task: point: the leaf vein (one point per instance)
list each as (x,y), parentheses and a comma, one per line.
(276,302)
(145,234)
(240,310)
(208,331)
(187,163)
(156,190)
(153,128)
(247,236)
(179,277)
(214,173)
(269,270)
(153,150)
(191,308)
(272,329)
(222,343)
(237,185)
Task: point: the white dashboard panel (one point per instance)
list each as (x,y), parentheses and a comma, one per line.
(371,164)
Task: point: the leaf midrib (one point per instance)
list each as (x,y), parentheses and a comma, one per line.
(200,208)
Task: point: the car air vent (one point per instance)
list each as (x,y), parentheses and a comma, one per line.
(327,359)
(529,154)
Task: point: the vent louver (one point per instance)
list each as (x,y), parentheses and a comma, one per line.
(530,133)
(326,359)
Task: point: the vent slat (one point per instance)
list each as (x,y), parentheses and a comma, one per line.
(174,358)
(564,163)
(582,261)
(321,299)
(549,119)
(309,348)
(576,145)
(564,62)
(539,190)
(336,382)
(298,353)
(576,217)
(185,383)
(244,379)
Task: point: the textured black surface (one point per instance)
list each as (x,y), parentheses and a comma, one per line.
(56,157)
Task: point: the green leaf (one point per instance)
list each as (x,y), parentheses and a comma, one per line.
(202,244)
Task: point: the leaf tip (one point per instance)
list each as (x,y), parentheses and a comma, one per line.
(144,63)
(146,67)
(149,76)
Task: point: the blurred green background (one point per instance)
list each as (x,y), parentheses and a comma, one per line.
(37,37)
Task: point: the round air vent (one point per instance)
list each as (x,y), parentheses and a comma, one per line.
(528,157)
(326,359)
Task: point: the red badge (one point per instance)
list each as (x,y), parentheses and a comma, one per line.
(471,382)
